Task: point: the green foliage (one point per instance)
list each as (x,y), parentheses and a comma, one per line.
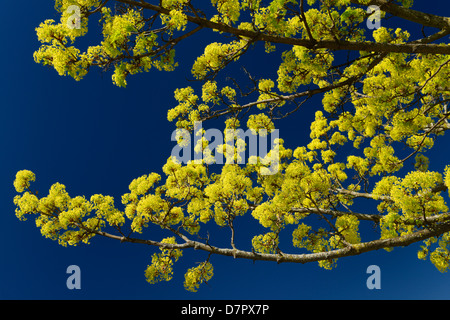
(380,113)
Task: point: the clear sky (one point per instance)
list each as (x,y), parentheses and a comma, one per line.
(96,138)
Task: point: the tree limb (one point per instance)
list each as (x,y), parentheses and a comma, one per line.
(352,250)
(322,44)
(425,19)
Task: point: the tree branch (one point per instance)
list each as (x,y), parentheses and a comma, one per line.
(425,19)
(323,44)
(352,250)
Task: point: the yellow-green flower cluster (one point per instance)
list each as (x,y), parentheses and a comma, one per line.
(410,199)
(215,56)
(300,67)
(197,275)
(265,243)
(228,11)
(61,217)
(347,227)
(23,179)
(302,237)
(440,256)
(161,268)
(176,20)
(104,205)
(187,183)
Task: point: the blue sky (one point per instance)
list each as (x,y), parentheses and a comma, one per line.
(96,138)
